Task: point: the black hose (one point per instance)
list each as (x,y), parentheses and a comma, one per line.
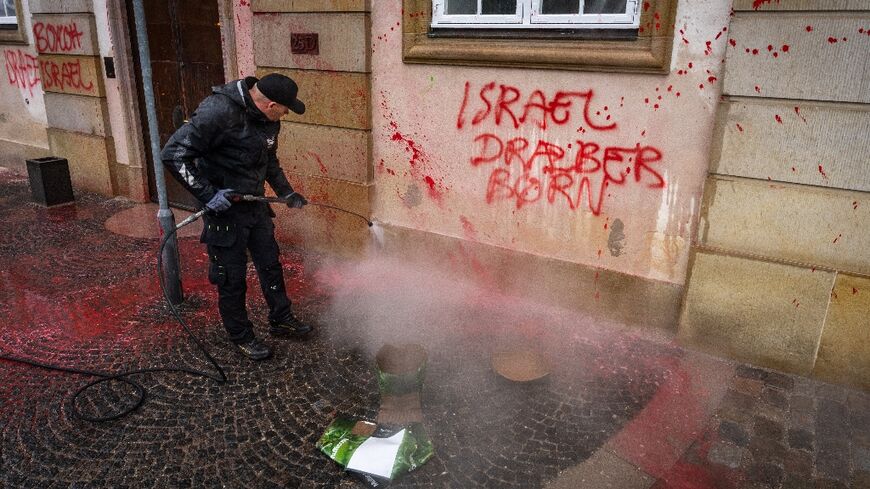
(141,392)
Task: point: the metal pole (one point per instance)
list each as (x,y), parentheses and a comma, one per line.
(171,265)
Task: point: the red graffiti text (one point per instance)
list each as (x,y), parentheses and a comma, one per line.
(505,103)
(64,75)
(57,38)
(22,69)
(525,173)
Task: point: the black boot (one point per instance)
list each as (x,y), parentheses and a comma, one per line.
(290,327)
(254,349)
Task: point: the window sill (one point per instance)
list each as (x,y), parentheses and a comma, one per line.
(648,52)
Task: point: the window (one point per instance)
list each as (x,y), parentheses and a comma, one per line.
(590,35)
(535,14)
(8,15)
(11,26)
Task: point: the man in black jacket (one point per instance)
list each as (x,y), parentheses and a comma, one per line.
(229,147)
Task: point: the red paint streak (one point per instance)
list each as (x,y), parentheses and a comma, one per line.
(468,228)
(797,110)
(822,171)
(795,302)
(739,127)
(756,4)
(855,204)
(832,40)
(778,118)
(316,157)
(757,89)
(711,79)
(732,42)
(838,238)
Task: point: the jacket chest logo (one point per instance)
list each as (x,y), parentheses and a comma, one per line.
(270,142)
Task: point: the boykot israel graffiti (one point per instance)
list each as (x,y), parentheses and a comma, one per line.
(532,170)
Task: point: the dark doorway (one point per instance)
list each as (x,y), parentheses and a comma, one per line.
(184,37)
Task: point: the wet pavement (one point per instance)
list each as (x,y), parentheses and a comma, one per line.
(618,409)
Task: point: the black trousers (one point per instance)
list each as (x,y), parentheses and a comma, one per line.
(229,236)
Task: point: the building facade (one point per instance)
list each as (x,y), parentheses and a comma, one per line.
(699,168)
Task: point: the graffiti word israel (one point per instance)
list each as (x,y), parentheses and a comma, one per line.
(525,171)
(57,38)
(22,69)
(65,75)
(504,103)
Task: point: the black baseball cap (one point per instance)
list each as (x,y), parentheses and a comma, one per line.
(281,89)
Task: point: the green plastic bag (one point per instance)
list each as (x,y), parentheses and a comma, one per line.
(384,455)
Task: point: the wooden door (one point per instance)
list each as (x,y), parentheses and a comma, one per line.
(184,37)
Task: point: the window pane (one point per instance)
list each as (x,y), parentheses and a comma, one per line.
(460,7)
(604,7)
(10,7)
(560,6)
(499,7)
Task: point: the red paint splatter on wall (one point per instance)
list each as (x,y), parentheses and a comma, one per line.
(468,228)
(795,302)
(785,48)
(732,42)
(832,40)
(838,238)
(855,204)
(854,291)
(739,127)
(822,171)
(809,28)
(778,118)
(757,89)
(756,4)
(797,110)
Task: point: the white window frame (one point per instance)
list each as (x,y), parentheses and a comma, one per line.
(7,19)
(528,16)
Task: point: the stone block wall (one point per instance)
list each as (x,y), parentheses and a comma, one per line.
(65,37)
(327,151)
(780,268)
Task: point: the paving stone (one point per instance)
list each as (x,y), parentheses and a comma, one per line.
(832,392)
(798,463)
(800,439)
(766,449)
(751,387)
(734,433)
(774,397)
(726,454)
(765,473)
(832,459)
(767,428)
(860,479)
(861,458)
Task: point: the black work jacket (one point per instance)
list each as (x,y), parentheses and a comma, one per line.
(227,143)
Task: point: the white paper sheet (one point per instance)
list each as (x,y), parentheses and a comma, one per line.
(377,455)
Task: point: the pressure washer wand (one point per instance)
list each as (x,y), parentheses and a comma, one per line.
(279,200)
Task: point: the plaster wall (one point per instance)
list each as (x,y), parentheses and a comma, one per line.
(117,114)
(440,165)
(243,25)
(22,107)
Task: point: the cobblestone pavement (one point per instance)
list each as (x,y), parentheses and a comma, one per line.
(73,294)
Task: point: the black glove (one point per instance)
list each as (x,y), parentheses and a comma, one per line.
(295,200)
(220,202)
